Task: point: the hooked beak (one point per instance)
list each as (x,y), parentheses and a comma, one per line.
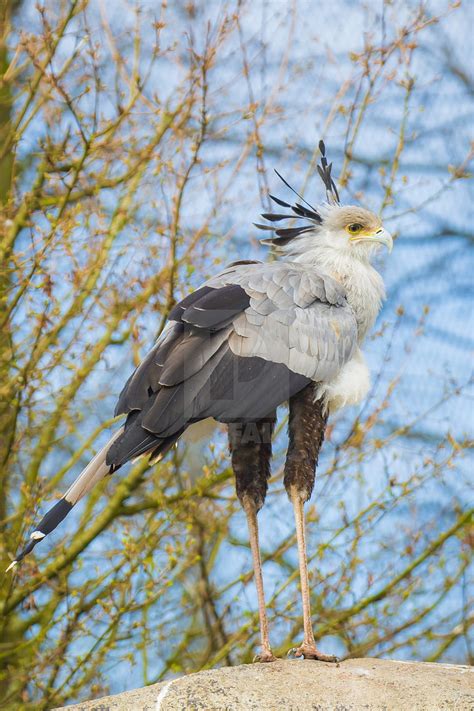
(382,236)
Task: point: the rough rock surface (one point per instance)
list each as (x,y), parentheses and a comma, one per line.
(353,685)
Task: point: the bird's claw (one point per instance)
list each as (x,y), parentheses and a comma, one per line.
(310,651)
(265,656)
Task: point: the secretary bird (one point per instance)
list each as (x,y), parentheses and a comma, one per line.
(251,338)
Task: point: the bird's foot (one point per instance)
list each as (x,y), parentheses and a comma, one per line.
(310,651)
(266,655)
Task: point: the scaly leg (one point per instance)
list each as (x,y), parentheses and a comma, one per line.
(306,426)
(251,513)
(251,448)
(308,649)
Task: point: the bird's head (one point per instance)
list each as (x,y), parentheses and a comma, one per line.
(334,228)
(352,230)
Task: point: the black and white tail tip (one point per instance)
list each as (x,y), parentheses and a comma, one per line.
(47,524)
(96,470)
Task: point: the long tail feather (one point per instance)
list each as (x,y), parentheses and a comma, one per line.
(96,470)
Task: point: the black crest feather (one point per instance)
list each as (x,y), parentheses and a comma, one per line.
(305,211)
(324,171)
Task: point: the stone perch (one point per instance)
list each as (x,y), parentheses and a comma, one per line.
(353,685)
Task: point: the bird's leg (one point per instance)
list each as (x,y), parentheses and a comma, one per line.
(251,449)
(306,425)
(308,649)
(266,654)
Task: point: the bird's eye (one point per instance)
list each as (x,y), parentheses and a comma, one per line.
(354,228)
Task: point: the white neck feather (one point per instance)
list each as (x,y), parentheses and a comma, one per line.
(363,284)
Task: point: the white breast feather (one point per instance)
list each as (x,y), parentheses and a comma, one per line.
(349,387)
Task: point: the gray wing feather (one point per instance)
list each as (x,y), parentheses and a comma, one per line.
(289,323)
(262,305)
(255,318)
(297,317)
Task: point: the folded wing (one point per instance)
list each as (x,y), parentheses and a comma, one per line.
(235,349)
